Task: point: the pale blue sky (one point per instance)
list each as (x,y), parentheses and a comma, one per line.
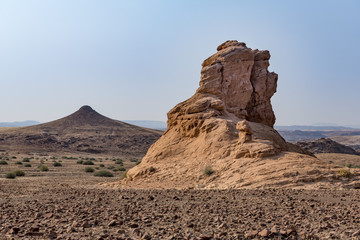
(137,59)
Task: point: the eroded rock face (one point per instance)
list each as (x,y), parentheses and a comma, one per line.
(237,80)
(234,81)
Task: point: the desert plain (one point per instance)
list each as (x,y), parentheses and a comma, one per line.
(219,171)
(68,203)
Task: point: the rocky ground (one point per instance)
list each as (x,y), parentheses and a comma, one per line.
(68,203)
(59,210)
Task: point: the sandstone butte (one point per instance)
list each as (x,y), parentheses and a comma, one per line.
(227,127)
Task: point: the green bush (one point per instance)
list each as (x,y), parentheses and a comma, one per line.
(88,162)
(349,165)
(43,168)
(14,157)
(345,173)
(119,162)
(138,162)
(19,173)
(152,169)
(133,160)
(79,162)
(10,175)
(123,175)
(208,170)
(18,163)
(26,160)
(27,165)
(103,173)
(57,164)
(110,167)
(89,169)
(101,165)
(119,168)
(71,158)
(3,162)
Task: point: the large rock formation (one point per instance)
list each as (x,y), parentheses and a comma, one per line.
(227,125)
(234,82)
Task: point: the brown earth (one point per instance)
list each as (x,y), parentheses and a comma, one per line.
(60,209)
(67,203)
(340,159)
(83,131)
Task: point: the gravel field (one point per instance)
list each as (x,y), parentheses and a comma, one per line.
(54,208)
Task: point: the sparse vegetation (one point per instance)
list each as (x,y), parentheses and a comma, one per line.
(26,160)
(57,164)
(43,168)
(19,173)
(119,162)
(240,180)
(133,160)
(349,165)
(27,165)
(123,175)
(110,167)
(71,158)
(18,163)
(345,173)
(208,170)
(89,169)
(3,162)
(88,162)
(152,169)
(101,165)
(10,175)
(79,162)
(119,168)
(138,162)
(103,173)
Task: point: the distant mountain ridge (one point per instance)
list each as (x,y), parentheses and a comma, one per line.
(19,124)
(326,145)
(313,128)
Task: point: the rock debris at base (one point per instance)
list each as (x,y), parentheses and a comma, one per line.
(79,213)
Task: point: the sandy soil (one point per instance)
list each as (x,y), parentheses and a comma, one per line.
(67,203)
(340,159)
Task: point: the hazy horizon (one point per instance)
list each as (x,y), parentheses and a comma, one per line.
(137,59)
